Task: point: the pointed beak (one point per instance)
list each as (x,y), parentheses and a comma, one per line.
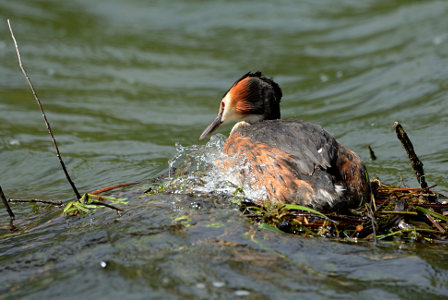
(213,126)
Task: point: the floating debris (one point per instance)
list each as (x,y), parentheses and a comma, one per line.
(401,214)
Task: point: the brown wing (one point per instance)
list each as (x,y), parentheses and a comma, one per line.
(310,145)
(274,171)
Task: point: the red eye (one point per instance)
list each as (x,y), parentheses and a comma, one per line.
(223,104)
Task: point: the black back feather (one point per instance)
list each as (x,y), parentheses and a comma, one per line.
(311,145)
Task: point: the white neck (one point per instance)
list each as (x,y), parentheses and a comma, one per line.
(252,118)
(246,121)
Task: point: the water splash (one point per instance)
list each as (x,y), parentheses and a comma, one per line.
(199,169)
(195,169)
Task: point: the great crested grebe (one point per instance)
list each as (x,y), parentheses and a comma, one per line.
(290,161)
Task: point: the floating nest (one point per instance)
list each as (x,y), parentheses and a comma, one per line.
(394,214)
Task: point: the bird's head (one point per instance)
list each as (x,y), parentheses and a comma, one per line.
(251,98)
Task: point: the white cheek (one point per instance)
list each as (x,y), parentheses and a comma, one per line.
(229,114)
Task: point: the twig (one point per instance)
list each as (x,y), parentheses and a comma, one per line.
(399,212)
(372,154)
(437,225)
(403,182)
(52,202)
(438,206)
(8,209)
(416,164)
(371,208)
(43,115)
(107,205)
(106,189)
(408,189)
(86,200)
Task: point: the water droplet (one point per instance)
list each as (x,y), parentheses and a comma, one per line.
(437,40)
(218,284)
(165,280)
(200,286)
(14,142)
(324,77)
(242,293)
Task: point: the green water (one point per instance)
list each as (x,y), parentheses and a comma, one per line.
(123,81)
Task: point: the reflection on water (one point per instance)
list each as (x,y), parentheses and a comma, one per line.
(124,81)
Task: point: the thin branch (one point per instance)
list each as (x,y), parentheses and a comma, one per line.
(43,115)
(109,188)
(371,153)
(52,202)
(371,209)
(5,202)
(106,205)
(437,225)
(399,212)
(371,215)
(407,189)
(86,200)
(416,164)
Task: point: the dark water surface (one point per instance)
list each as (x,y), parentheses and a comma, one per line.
(123,81)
